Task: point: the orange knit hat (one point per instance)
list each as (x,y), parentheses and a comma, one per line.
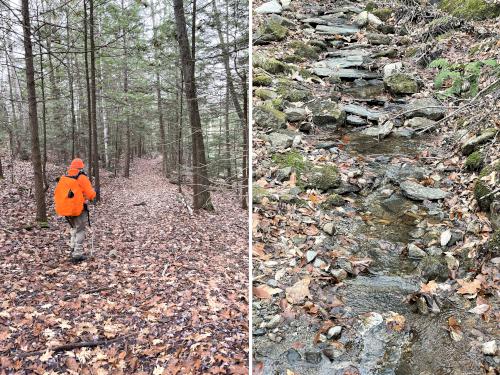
(77,164)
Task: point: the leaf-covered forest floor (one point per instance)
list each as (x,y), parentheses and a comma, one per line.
(374,251)
(170,289)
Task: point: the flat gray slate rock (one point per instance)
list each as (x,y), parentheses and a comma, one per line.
(337,30)
(269,7)
(342,62)
(362,112)
(418,192)
(345,73)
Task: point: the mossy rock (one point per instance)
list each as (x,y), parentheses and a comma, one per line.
(474,161)
(288,90)
(270,64)
(262,79)
(324,177)
(383,13)
(471,9)
(293,59)
(434,267)
(371,6)
(494,243)
(277,103)
(304,50)
(267,116)
(265,94)
(333,200)
(259,193)
(481,189)
(292,159)
(402,83)
(272,30)
(305,73)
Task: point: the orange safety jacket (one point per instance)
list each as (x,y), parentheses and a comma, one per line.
(84,182)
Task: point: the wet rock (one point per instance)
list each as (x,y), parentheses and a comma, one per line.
(426,107)
(326,145)
(418,123)
(333,352)
(268,117)
(280,140)
(339,274)
(362,112)
(434,268)
(310,255)
(378,39)
(418,192)
(337,30)
(323,177)
(295,114)
(293,356)
(258,332)
(346,188)
(313,357)
(380,131)
(393,68)
(269,7)
(398,173)
(355,120)
(365,18)
(394,204)
(489,348)
(380,346)
(326,112)
(414,252)
(402,83)
(363,89)
(334,333)
(472,144)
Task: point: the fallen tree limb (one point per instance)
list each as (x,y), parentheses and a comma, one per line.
(75,345)
(479,94)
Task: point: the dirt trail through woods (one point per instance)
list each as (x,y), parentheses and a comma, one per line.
(176,284)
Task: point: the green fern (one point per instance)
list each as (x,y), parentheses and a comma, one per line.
(439,63)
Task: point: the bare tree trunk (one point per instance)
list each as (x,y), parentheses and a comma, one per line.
(1,169)
(227,155)
(180,94)
(246,149)
(126,172)
(201,193)
(44,117)
(87,83)
(163,147)
(71,90)
(94,105)
(41,212)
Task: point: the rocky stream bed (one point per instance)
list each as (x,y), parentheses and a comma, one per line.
(368,257)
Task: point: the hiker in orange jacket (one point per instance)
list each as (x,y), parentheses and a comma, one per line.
(78,223)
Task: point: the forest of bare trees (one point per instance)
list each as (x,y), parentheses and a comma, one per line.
(110,81)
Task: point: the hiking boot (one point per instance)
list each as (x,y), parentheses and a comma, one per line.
(78,256)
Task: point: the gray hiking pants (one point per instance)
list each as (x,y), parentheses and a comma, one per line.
(78,224)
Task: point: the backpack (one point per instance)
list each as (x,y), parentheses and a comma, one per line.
(68,196)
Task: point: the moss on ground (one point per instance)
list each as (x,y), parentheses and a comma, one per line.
(293,159)
(324,177)
(262,79)
(383,13)
(494,242)
(474,161)
(304,50)
(471,9)
(270,64)
(265,94)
